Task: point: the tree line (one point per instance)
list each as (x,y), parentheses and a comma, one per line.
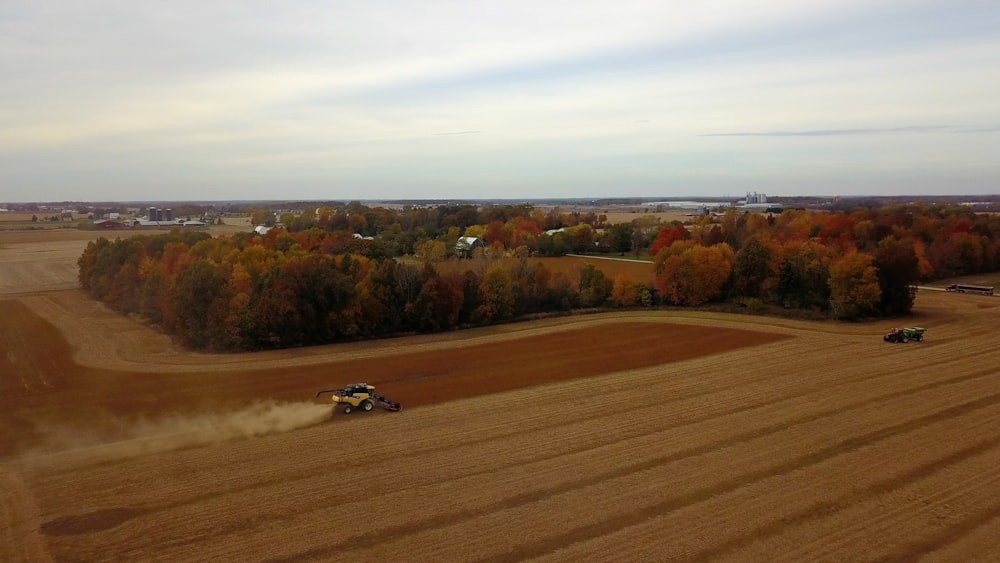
(321,285)
(849,265)
(284,290)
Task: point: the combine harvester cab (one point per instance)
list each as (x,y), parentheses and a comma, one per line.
(904,335)
(360,396)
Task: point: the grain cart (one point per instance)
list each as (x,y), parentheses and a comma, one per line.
(903,335)
(360,396)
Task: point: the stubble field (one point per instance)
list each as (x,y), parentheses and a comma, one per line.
(621,437)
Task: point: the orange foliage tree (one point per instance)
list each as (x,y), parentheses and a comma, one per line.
(690,274)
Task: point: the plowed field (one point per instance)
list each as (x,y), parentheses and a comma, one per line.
(648,436)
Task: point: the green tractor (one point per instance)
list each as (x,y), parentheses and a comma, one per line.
(903,335)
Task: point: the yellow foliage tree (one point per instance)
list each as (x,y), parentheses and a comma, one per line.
(475,231)
(497,292)
(430,250)
(854,289)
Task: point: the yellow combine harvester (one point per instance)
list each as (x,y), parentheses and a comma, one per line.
(360,396)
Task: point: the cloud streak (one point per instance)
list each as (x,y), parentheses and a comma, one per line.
(835,132)
(110,101)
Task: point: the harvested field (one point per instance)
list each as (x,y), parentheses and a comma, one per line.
(623,437)
(612,266)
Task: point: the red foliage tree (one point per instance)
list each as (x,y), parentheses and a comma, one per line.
(667,236)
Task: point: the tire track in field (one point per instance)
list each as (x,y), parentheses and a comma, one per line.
(354,463)
(374,538)
(905,522)
(266,483)
(204,497)
(655,403)
(19,519)
(606,527)
(622,436)
(951,534)
(827,508)
(903,392)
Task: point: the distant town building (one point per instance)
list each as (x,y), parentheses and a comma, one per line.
(758,202)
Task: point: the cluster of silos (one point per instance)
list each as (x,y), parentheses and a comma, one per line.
(157,214)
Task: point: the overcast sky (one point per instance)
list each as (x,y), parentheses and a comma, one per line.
(372,99)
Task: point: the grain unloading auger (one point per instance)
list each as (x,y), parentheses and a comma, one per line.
(360,396)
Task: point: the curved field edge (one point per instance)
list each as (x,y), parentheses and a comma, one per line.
(44,386)
(102,338)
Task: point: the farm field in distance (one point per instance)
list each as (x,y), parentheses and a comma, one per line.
(648,435)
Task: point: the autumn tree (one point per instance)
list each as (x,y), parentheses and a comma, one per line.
(438,305)
(898,269)
(430,250)
(583,238)
(644,230)
(154,285)
(595,287)
(475,231)
(299,303)
(854,287)
(754,272)
(620,237)
(561,294)
(471,296)
(524,232)
(531,281)
(200,303)
(667,236)
(793,225)
(85,263)
(263,217)
(804,274)
(499,234)
(690,274)
(497,295)
(925,270)
(733,224)
(557,244)
(123,292)
(624,291)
